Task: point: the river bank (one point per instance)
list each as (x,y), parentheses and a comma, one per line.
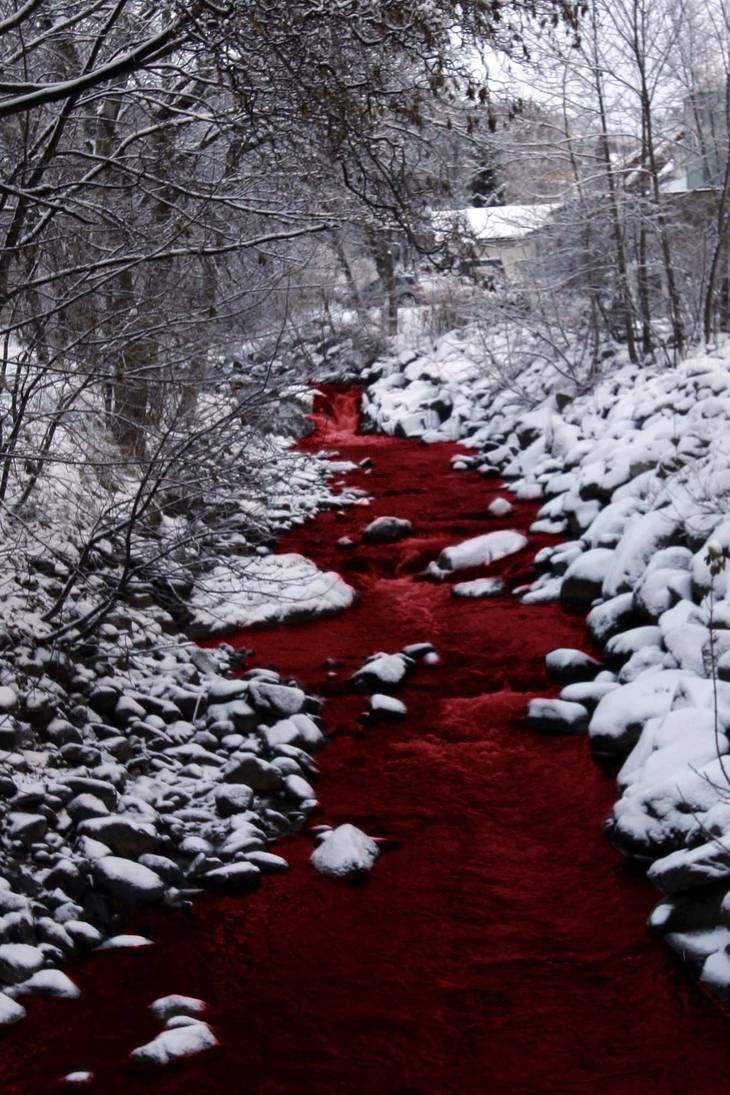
(499,943)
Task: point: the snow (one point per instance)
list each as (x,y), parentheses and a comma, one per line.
(266,590)
(345,852)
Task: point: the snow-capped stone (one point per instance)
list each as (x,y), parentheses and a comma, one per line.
(387,705)
(166,1006)
(558,716)
(345,852)
(382,669)
(127,836)
(384,530)
(267,862)
(478,588)
(234,878)
(8,699)
(175,1044)
(566,665)
(19,961)
(268,589)
(128,882)
(299,788)
(583,580)
(78,1078)
(499,507)
(481,550)
(691,867)
(27,828)
(620,716)
(10,1010)
(233,798)
(248,769)
(49,983)
(124,942)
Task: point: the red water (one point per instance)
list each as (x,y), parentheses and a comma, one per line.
(499,947)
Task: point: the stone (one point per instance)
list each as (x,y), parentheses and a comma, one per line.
(233,799)
(127,882)
(250,770)
(384,530)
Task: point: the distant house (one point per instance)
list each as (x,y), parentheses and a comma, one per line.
(495,238)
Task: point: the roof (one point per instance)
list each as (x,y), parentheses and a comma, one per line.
(497,222)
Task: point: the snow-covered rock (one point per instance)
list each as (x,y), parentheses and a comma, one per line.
(175,1044)
(345,852)
(481,550)
(265,590)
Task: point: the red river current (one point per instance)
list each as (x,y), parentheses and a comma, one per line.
(499,945)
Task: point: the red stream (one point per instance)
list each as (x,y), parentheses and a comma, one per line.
(500,947)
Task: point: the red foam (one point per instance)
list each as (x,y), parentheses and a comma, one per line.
(500,945)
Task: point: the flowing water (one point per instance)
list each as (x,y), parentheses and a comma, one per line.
(499,945)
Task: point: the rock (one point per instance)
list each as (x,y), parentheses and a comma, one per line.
(691,867)
(299,788)
(27,828)
(233,799)
(85,806)
(127,882)
(50,983)
(499,507)
(481,550)
(479,588)
(567,666)
(124,942)
(97,787)
(235,878)
(267,862)
(384,530)
(345,852)
(382,670)
(169,871)
(558,716)
(277,699)
(166,1006)
(78,1078)
(10,1011)
(175,1044)
(250,770)
(380,704)
(126,836)
(8,700)
(583,581)
(19,961)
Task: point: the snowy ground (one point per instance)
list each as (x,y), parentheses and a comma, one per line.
(634,471)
